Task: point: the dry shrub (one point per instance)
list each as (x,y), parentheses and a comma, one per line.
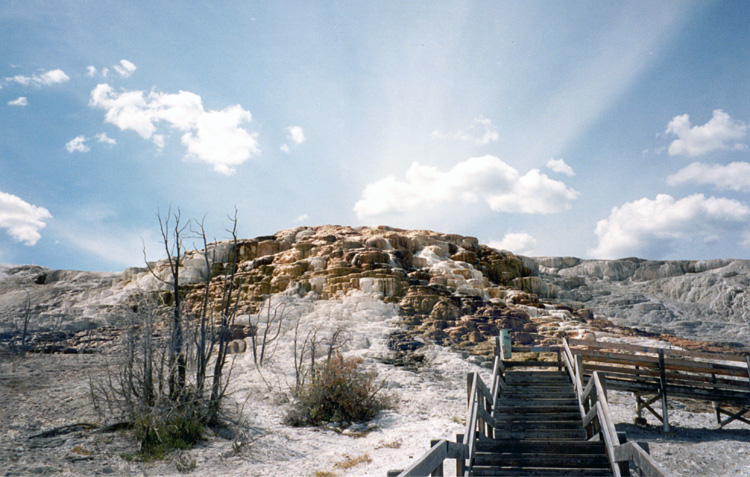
(351,462)
(340,390)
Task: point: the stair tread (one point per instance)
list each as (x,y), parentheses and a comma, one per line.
(539,430)
(552,445)
(589,461)
(536,472)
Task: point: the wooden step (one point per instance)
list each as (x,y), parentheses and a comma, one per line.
(512,384)
(538,434)
(509,378)
(537,374)
(521,425)
(577,461)
(541,447)
(533,402)
(516,388)
(525,383)
(536,409)
(527,394)
(539,472)
(527,417)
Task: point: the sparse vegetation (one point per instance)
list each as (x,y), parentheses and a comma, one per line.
(324,473)
(161,386)
(351,462)
(339,390)
(395,444)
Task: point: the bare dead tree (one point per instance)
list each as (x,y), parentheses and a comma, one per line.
(154,386)
(228,313)
(272,317)
(205,338)
(172,230)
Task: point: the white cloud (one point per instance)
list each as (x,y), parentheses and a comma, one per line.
(125,68)
(21,101)
(103,138)
(561,167)
(302,218)
(295,135)
(44,79)
(520,243)
(22,220)
(90,71)
(721,132)
(734,176)
(485,178)
(481,132)
(214,137)
(218,139)
(126,110)
(54,76)
(651,228)
(77,144)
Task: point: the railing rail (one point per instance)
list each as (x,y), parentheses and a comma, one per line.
(598,422)
(479,425)
(719,378)
(433,459)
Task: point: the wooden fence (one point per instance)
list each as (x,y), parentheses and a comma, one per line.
(655,374)
(598,422)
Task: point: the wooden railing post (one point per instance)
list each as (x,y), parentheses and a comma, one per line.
(505,345)
(438,472)
(663,390)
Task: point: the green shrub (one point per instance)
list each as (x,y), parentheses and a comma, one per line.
(161,432)
(339,390)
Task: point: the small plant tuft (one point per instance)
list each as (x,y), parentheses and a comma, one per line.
(340,390)
(351,462)
(159,435)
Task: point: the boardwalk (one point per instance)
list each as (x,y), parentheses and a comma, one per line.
(539,431)
(537,422)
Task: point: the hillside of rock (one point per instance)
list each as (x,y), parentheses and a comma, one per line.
(450,290)
(704,299)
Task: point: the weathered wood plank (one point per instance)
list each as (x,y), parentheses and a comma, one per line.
(670,363)
(645,463)
(428,462)
(663,390)
(732,416)
(668,351)
(645,375)
(531,364)
(536,349)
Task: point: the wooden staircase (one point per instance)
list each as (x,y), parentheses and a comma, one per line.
(539,431)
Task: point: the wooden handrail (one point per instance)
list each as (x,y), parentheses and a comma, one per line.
(652,362)
(667,351)
(599,416)
(471,420)
(478,411)
(643,461)
(434,458)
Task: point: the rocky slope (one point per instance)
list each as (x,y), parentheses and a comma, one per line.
(450,289)
(694,299)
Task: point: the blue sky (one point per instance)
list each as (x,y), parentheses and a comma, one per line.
(589,129)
